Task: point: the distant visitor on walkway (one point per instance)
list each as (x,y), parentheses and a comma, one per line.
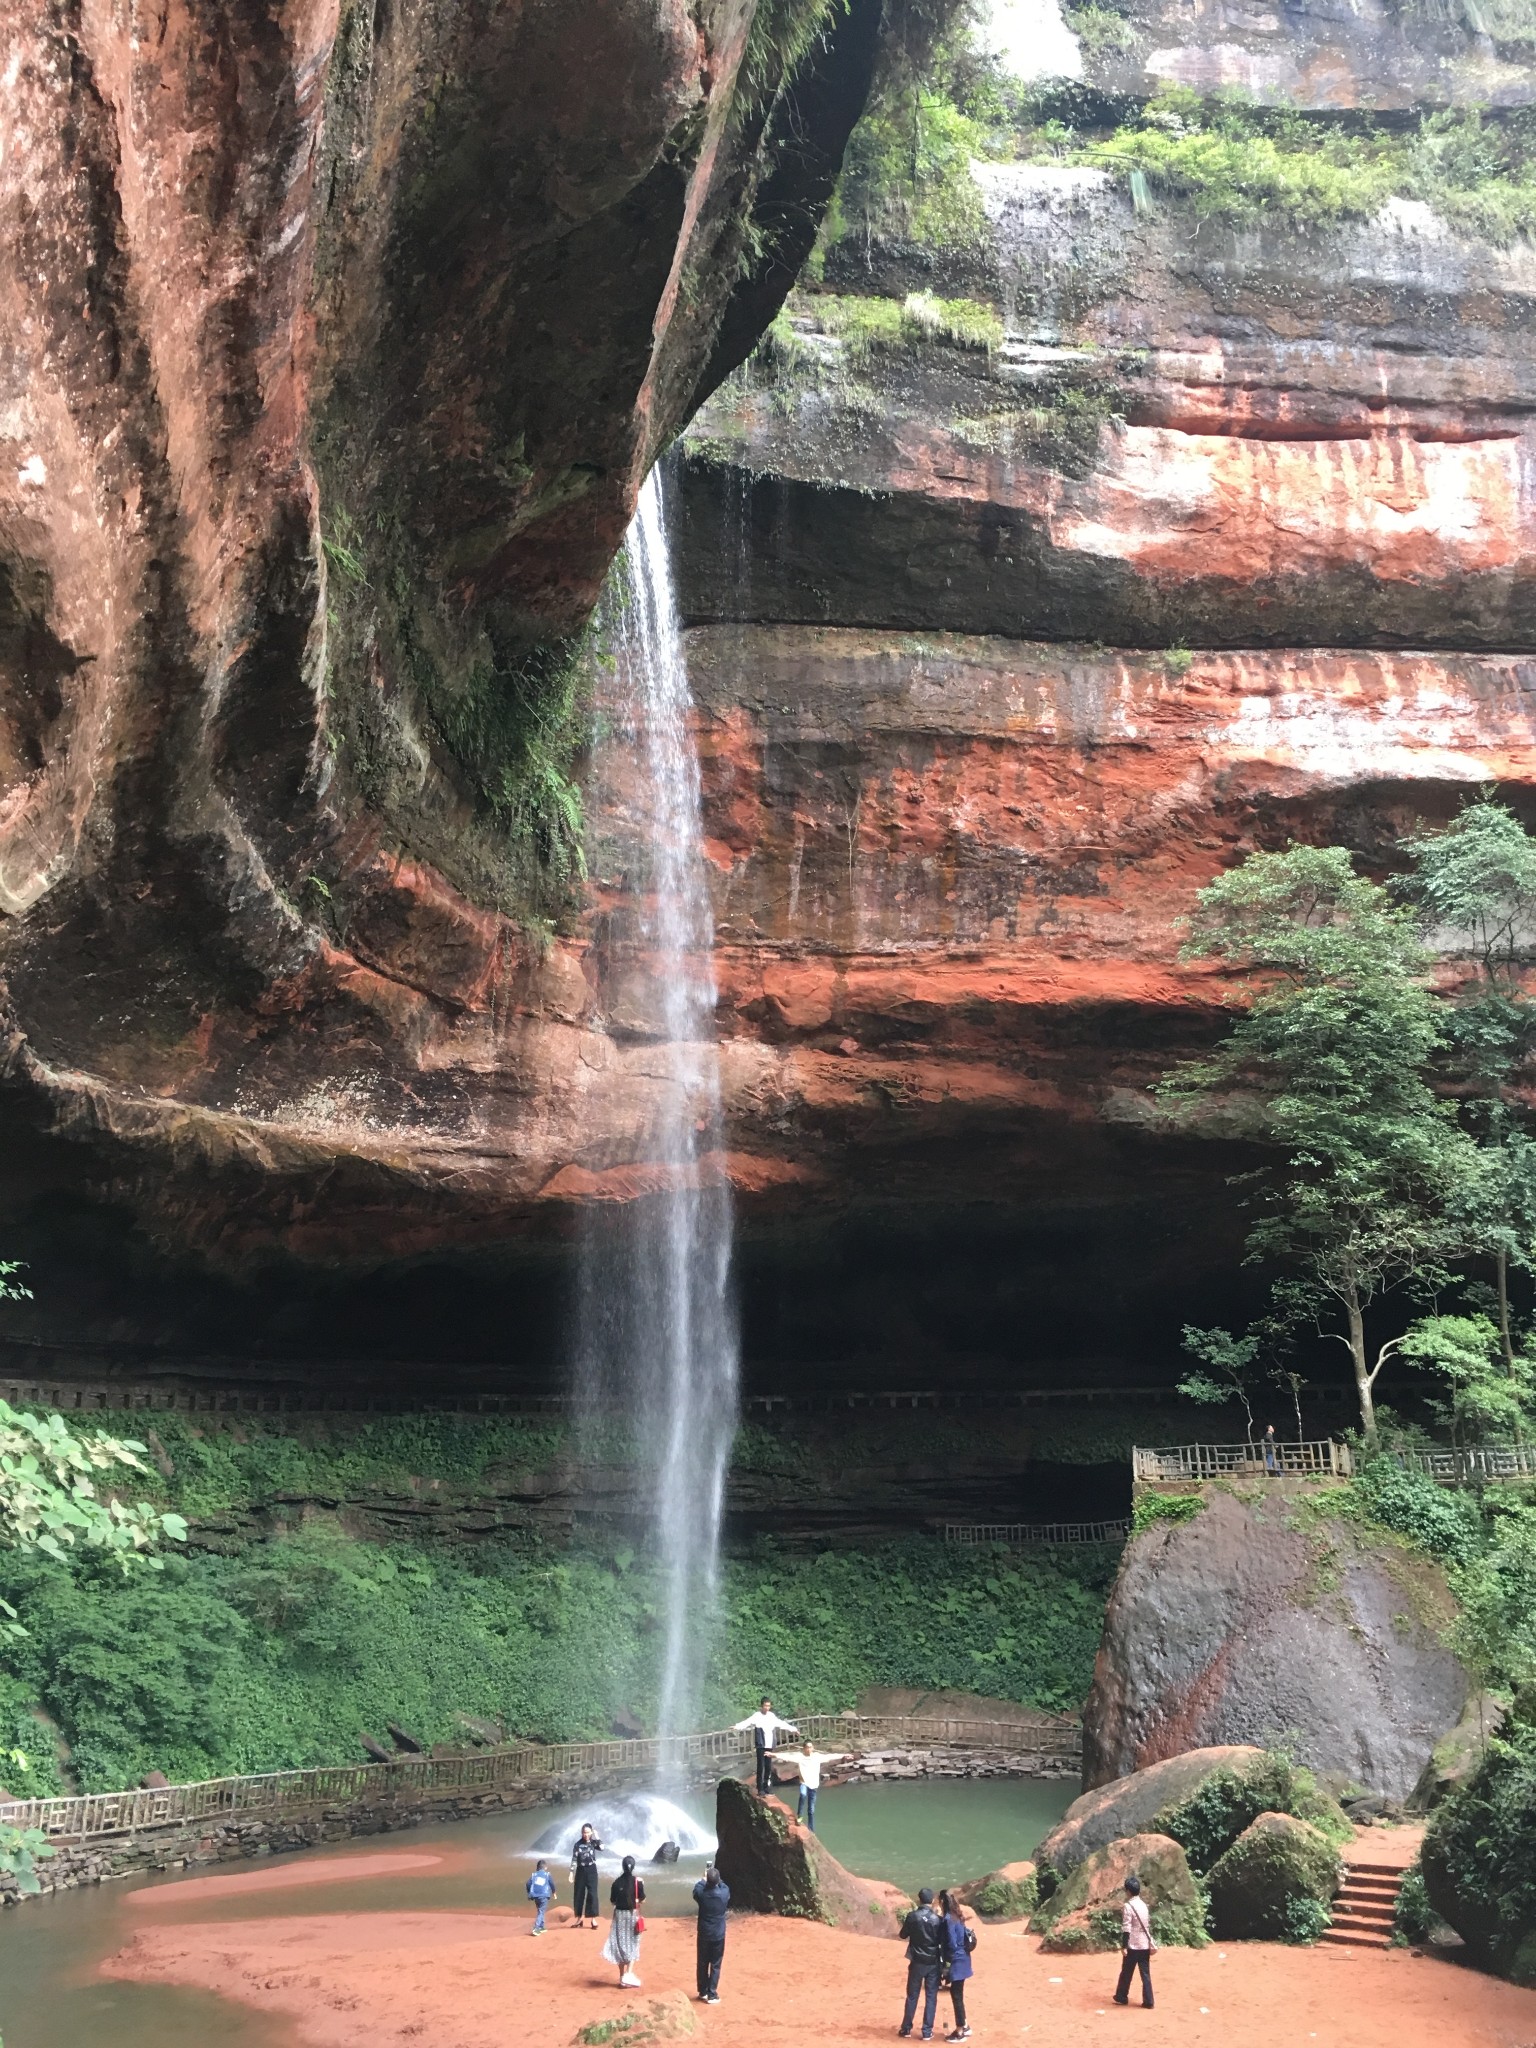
(712,1896)
(1136,1940)
(923,1932)
(959,1946)
(626,1895)
(584,1873)
(811,1761)
(766,1729)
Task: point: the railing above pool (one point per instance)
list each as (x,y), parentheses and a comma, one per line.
(1043,1736)
(1016,1533)
(1216,1461)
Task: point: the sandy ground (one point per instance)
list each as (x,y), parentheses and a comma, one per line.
(476,1980)
(335,1870)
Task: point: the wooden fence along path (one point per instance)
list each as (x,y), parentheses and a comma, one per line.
(1474,1461)
(93,1814)
(1216,1461)
(1015,1533)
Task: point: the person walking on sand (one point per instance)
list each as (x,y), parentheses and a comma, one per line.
(584,1873)
(811,1761)
(766,1728)
(541,1889)
(923,1932)
(959,1943)
(626,1895)
(1136,1940)
(712,1896)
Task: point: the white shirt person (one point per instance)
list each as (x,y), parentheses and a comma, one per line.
(810,1762)
(766,1726)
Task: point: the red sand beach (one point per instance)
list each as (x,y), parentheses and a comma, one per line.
(477,1980)
(284,1877)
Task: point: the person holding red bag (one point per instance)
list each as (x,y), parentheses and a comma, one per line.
(626,1895)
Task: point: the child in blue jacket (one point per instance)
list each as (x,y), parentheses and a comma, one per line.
(541,1889)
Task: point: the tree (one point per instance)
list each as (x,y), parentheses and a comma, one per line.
(1474,884)
(1333,1045)
(1231,1358)
(1488,1399)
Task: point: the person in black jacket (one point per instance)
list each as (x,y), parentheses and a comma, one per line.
(712,1895)
(584,1873)
(923,1932)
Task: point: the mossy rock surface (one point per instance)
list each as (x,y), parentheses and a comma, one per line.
(1084,1913)
(1011,1893)
(1129,1805)
(1274,1863)
(1230,1800)
(774,1865)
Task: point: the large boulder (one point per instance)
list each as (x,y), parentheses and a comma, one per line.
(1250,1621)
(1085,1913)
(1209,1821)
(774,1865)
(1128,1805)
(1275,1864)
(1011,1893)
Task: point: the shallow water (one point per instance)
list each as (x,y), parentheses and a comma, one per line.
(912,1833)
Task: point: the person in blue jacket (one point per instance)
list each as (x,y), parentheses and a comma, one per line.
(957,1944)
(541,1889)
(712,1896)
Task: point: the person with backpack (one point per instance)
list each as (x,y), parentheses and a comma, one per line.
(541,1889)
(923,1932)
(626,1895)
(584,1873)
(766,1727)
(959,1946)
(1136,1939)
(712,1896)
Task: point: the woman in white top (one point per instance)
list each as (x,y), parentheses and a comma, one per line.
(810,1762)
(1136,1936)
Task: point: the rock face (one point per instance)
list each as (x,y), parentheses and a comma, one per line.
(773,1865)
(1125,1806)
(1242,1625)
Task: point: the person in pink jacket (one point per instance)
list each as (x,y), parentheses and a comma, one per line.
(1136,1939)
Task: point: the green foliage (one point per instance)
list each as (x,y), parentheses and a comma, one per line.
(1209,1822)
(1262,1886)
(1232,1362)
(868,326)
(1495,1587)
(1148,1509)
(1333,1047)
(1444,1524)
(1479,1855)
(21,1849)
(1413,1916)
(1306,1920)
(277,1656)
(1489,1401)
(1101,31)
(49,1475)
(1177,662)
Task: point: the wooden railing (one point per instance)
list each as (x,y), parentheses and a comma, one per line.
(1472,1462)
(1215,1461)
(117,1813)
(1016,1533)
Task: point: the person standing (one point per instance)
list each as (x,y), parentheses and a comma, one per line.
(584,1873)
(811,1761)
(959,1943)
(923,1932)
(1136,1938)
(712,1896)
(541,1889)
(766,1728)
(1271,1452)
(626,1895)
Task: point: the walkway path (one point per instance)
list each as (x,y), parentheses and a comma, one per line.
(1365,1910)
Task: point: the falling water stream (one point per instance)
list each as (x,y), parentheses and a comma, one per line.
(657,1329)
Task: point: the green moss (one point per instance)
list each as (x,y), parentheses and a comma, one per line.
(1101,31)
(1212,1819)
(1149,1509)
(1275,1883)
(873,326)
(1002,1898)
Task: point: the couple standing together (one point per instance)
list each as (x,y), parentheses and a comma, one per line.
(766,1729)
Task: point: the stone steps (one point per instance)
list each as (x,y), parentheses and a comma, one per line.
(1365,1910)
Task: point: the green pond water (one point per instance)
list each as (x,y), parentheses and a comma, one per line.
(912,1833)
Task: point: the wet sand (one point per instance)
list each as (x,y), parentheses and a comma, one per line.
(477,1980)
(335,1870)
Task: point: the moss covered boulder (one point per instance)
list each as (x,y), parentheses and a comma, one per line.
(1084,1913)
(1230,1800)
(1011,1893)
(773,1865)
(1260,1888)
(1129,1805)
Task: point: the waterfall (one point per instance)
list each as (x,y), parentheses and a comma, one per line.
(657,1330)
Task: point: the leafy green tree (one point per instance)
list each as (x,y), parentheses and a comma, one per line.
(1488,1399)
(1232,1363)
(1474,884)
(1333,1044)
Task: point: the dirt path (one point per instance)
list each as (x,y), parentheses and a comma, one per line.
(476,1980)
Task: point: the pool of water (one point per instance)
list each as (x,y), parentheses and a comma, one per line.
(912,1832)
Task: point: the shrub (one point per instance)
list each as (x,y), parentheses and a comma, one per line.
(1275,1881)
(1149,1509)
(1305,1920)
(1414,1916)
(1479,1856)
(1210,1821)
